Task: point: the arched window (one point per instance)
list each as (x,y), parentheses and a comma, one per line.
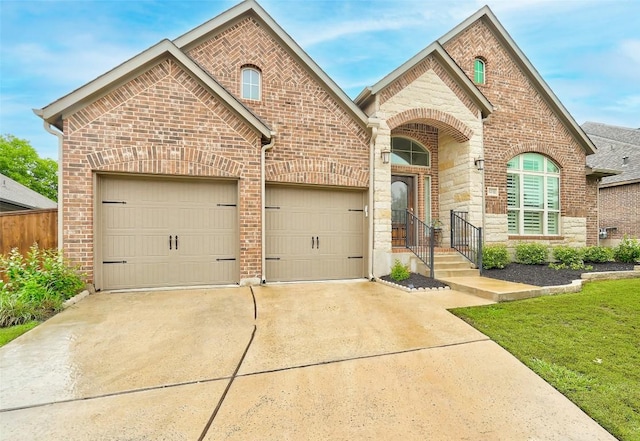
(251,82)
(405,151)
(478,71)
(533,195)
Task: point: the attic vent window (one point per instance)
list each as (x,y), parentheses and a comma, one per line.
(251,82)
(479,71)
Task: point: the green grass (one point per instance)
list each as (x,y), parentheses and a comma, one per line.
(586,345)
(13,332)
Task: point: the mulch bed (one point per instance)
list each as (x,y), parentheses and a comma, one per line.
(416,281)
(543,275)
(539,275)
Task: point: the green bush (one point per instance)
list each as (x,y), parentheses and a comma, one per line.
(495,256)
(628,251)
(530,253)
(36,285)
(598,254)
(568,257)
(399,272)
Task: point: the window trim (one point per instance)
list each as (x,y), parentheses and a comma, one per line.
(258,72)
(479,61)
(417,143)
(545,175)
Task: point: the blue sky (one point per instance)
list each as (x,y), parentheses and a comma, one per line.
(588,51)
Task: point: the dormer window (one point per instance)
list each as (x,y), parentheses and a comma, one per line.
(251,83)
(479,71)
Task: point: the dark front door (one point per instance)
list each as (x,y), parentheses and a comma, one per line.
(402,199)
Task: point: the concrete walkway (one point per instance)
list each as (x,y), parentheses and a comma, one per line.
(335,361)
(492,289)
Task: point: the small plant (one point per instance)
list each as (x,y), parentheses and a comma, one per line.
(399,272)
(495,256)
(628,251)
(530,253)
(569,257)
(36,285)
(597,254)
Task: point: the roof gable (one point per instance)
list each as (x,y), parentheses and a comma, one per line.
(90,92)
(437,51)
(250,8)
(614,144)
(527,68)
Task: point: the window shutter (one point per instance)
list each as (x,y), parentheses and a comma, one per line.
(513,191)
(533,191)
(533,222)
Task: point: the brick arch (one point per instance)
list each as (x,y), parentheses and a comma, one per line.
(165,160)
(321,172)
(443,121)
(531,147)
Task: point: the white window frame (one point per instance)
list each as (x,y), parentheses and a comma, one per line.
(547,175)
(254,84)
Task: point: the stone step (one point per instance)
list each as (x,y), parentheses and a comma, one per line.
(452,265)
(449,258)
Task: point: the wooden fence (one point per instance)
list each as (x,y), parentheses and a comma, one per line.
(22,228)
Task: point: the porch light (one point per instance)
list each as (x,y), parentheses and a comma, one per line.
(479,163)
(385,154)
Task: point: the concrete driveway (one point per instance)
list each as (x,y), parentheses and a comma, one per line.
(323,361)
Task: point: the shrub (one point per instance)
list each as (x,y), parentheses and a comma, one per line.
(531,253)
(36,285)
(628,251)
(399,272)
(494,256)
(598,254)
(568,257)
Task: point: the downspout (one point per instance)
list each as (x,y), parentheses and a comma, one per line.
(263,188)
(373,124)
(57,134)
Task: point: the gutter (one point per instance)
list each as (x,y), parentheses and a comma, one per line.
(263,189)
(373,124)
(59,135)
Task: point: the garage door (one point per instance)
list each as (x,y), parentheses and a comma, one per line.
(314,234)
(167,232)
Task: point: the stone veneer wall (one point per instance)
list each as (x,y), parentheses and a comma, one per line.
(426,94)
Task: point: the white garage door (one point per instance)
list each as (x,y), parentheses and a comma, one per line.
(167,232)
(314,234)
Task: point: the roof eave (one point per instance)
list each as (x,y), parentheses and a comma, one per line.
(527,67)
(56,111)
(195,36)
(596,172)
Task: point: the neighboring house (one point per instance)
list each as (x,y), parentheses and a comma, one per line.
(619,194)
(228,156)
(15,196)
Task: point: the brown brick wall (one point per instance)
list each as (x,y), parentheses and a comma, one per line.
(318,142)
(620,208)
(162,122)
(522,122)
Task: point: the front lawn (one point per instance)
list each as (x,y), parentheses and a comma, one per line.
(13,332)
(586,345)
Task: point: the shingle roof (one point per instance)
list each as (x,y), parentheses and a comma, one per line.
(15,193)
(614,144)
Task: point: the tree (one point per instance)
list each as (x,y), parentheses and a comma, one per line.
(20,161)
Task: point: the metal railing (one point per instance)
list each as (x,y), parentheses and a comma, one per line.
(466,238)
(420,239)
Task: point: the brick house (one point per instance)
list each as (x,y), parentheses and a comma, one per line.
(619,192)
(228,156)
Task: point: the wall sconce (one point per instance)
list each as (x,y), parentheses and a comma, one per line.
(385,154)
(479,163)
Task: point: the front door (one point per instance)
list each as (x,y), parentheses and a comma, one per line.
(402,199)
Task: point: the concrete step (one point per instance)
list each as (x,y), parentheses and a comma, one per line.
(492,289)
(452,265)
(447,273)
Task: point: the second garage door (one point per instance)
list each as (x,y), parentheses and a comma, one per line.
(314,234)
(158,233)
